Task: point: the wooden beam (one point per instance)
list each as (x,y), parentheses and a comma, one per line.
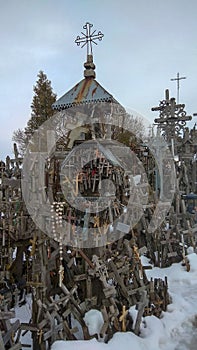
(17,346)
(6,315)
(2,347)
(10,331)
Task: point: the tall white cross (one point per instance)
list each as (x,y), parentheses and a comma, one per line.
(178,78)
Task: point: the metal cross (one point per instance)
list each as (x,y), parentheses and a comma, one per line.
(88,38)
(172,118)
(178,78)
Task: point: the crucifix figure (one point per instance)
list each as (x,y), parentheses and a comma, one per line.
(178,78)
(88,38)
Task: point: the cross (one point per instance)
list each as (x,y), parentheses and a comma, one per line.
(172,118)
(123,317)
(178,78)
(88,38)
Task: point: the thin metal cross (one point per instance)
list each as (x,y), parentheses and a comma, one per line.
(88,38)
(178,78)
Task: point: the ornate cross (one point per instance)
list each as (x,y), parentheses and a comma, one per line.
(178,78)
(172,118)
(88,38)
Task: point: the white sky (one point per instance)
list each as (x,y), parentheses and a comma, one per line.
(145,44)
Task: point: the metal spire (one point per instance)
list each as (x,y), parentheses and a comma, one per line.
(178,78)
(88,38)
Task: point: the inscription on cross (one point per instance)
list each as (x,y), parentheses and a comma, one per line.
(88,38)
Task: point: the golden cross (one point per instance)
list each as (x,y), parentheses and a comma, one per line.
(123,318)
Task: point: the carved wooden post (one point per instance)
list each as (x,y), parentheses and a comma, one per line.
(141,305)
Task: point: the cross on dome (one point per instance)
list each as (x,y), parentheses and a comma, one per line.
(88,38)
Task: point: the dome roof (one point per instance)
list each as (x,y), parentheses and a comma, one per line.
(86,91)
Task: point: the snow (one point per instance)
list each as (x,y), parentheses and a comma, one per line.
(177,328)
(23,314)
(92,344)
(94,321)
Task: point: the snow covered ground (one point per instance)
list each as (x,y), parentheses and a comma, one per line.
(23,314)
(176,330)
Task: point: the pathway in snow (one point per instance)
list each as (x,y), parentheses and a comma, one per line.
(180,321)
(188,337)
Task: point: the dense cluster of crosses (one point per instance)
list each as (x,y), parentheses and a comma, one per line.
(89,258)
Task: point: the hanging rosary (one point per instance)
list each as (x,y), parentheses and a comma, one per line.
(56,216)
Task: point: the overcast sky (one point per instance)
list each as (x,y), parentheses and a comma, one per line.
(145,44)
